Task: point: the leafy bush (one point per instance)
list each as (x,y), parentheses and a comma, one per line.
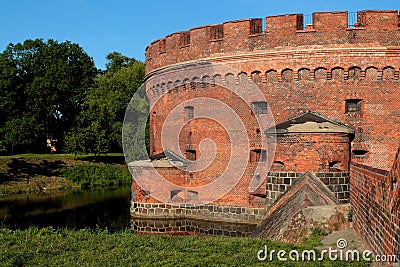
(90,176)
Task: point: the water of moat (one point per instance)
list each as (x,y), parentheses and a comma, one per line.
(104,209)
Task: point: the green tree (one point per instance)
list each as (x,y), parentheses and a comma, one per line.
(42,83)
(100,121)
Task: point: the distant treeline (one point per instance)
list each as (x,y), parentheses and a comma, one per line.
(52,92)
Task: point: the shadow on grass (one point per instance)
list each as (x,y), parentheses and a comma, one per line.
(19,169)
(107,159)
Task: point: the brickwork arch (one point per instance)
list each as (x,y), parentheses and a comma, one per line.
(318,74)
(287,75)
(371,73)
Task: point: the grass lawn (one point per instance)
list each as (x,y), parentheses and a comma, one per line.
(58,156)
(50,247)
(27,173)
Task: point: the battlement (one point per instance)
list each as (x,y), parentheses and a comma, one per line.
(247,35)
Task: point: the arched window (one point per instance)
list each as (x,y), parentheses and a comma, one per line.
(189,112)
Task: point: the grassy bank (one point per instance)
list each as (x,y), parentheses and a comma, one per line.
(50,247)
(27,173)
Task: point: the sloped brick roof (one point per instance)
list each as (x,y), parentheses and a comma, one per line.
(307,191)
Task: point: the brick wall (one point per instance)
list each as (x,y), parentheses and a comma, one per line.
(370,197)
(317,69)
(314,152)
(328,29)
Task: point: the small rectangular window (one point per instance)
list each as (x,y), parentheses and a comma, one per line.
(185,38)
(189,112)
(217,32)
(259,107)
(263,157)
(255,26)
(359,153)
(258,155)
(191,154)
(353,106)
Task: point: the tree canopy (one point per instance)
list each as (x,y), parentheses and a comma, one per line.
(51,89)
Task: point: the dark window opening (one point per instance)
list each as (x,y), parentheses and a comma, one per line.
(185,38)
(353,106)
(255,26)
(334,166)
(258,155)
(174,193)
(189,112)
(217,32)
(263,157)
(191,155)
(146,194)
(259,107)
(360,152)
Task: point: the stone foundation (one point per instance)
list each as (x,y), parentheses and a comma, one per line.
(191,227)
(280,182)
(206,212)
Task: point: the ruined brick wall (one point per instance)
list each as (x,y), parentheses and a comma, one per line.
(371,198)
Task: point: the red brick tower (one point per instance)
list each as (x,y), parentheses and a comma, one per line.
(332,88)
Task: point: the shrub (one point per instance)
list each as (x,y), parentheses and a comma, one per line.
(90,176)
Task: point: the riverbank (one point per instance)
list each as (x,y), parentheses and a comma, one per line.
(34,173)
(53,247)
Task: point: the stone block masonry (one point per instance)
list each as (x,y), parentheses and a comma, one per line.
(280,182)
(206,212)
(191,227)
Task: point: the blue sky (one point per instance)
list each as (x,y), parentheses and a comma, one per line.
(101,27)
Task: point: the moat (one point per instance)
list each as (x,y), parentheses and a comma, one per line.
(104,209)
(72,210)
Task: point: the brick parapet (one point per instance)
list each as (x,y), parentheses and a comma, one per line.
(328,28)
(374,220)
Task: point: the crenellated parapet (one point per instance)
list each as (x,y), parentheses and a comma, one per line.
(280,33)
